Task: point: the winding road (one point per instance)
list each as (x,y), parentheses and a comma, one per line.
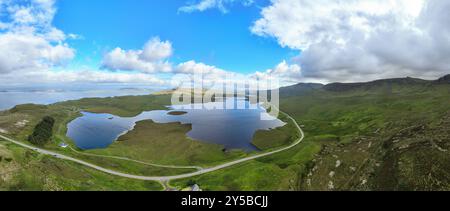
(162,179)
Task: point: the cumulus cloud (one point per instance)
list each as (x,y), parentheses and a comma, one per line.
(192,67)
(203,5)
(284,72)
(152,58)
(362,39)
(199,74)
(21,52)
(210,76)
(27,38)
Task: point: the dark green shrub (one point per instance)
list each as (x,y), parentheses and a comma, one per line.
(42,132)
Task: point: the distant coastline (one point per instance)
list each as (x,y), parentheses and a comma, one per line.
(11,98)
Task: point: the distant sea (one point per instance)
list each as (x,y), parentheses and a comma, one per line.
(17,96)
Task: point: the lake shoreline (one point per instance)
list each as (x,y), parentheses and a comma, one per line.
(231,128)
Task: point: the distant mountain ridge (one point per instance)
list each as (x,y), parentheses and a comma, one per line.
(338,87)
(300,88)
(444,80)
(387,84)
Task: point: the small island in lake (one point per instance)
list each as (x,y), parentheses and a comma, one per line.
(177,113)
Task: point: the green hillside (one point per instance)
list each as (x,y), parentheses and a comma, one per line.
(386,135)
(389,134)
(383,135)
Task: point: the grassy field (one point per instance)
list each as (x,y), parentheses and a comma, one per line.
(276,172)
(127,106)
(168,144)
(22,169)
(278,137)
(355,128)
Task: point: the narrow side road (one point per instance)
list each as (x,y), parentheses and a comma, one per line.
(136,161)
(162,179)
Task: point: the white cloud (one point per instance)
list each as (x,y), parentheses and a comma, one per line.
(201,73)
(362,39)
(203,5)
(155,50)
(28,40)
(79,76)
(3,26)
(22,52)
(284,72)
(151,59)
(192,67)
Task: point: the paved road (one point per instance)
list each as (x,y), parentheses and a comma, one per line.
(162,179)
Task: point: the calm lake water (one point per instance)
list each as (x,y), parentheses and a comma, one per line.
(232,128)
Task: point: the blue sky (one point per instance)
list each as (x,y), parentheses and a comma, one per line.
(149,42)
(212,37)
